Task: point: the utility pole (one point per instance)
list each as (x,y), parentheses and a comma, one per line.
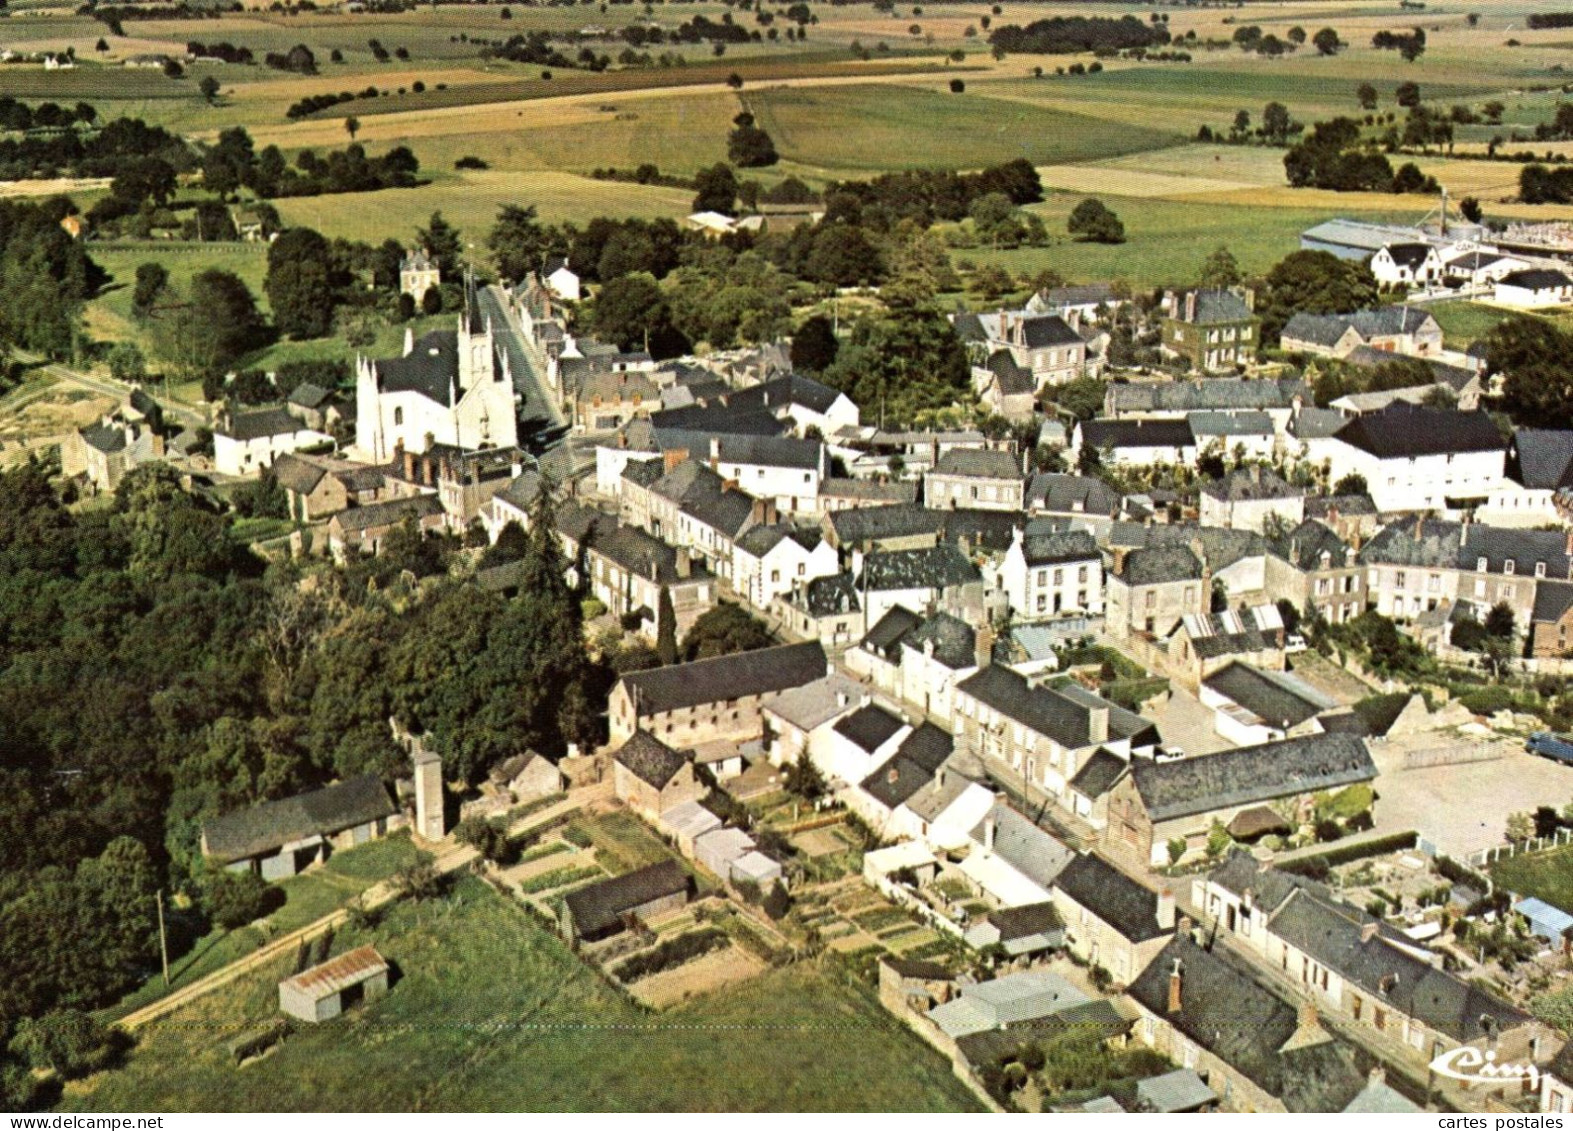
(163,939)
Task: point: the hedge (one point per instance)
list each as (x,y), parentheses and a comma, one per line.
(671,953)
(1318,863)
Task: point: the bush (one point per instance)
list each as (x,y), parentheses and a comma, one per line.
(1487,700)
(489,838)
(1317,866)
(233,899)
(70,1042)
(957,86)
(671,954)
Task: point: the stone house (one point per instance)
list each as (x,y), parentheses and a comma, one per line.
(977,479)
(277,839)
(104,453)
(1111,920)
(1214,330)
(1053,575)
(247,443)
(1152,587)
(364,528)
(602,909)
(1245,498)
(1313,566)
(651,778)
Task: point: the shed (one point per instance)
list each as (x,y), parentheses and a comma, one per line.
(1546,921)
(327,990)
(1177,1091)
(717,849)
(755,867)
(686,823)
(600,909)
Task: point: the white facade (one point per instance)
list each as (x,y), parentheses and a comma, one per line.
(1420,482)
(1398,271)
(564,283)
(1062,588)
(1536,296)
(760,580)
(233,456)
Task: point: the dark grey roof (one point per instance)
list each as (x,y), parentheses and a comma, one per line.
(390,513)
(1275,701)
(308,395)
(1410,255)
(1226,1011)
(298,475)
(1540,458)
(1072,494)
(1452,545)
(932,567)
(107,438)
(628,546)
(864,525)
(1553,599)
(1304,546)
(1100,774)
(1159,565)
(1081,294)
(1218,306)
(869,727)
(891,629)
(725,509)
(1333,934)
(928,746)
(720,678)
(979,463)
(1207,393)
(1013,379)
(895,780)
(1405,430)
(980,529)
(830,596)
(1321,329)
(1387,321)
(1322,506)
(1064,546)
(763,450)
(1137,434)
(1097,1017)
(262,422)
(1062,714)
(651,760)
(1023,845)
(1269,887)
(1112,896)
(1027,920)
(1043,330)
(840,488)
(262,829)
(969,327)
(601,905)
(1292,766)
(1255,483)
(954,641)
(1536,278)
(431,368)
(1312,423)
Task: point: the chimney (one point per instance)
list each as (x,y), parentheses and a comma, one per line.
(409,340)
(1190,306)
(672,457)
(685,564)
(427,470)
(939,778)
(409,463)
(1165,910)
(715,450)
(893,775)
(1368,931)
(1308,1029)
(1119,559)
(983,641)
(1098,724)
(1174,987)
(988,833)
(841,699)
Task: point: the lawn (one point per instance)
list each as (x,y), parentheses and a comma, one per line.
(491,1012)
(1543,875)
(622,841)
(875,126)
(1464,323)
(308,897)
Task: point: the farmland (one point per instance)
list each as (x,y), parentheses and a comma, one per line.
(798,1038)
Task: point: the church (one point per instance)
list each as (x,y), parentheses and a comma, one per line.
(450,387)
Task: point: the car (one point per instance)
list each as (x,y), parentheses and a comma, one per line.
(1548,745)
(1295,643)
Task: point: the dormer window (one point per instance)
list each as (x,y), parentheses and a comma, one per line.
(1508,566)
(1540,569)
(1481,565)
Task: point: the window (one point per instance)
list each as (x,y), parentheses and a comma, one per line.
(1081,574)
(1399,577)
(1481,565)
(1509,566)
(801,569)
(1540,569)
(775,575)
(1059,576)
(398,417)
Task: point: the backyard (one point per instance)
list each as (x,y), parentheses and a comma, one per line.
(1542,875)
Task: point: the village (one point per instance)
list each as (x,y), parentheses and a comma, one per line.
(1092,730)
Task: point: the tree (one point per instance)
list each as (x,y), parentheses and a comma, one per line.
(1366,94)
(431,301)
(1407,94)
(518,242)
(352,126)
(1520,826)
(144,179)
(715,189)
(842,256)
(151,280)
(814,345)
(957,86)
(1499,621)
(1326,42)
(804,778)
(1352,484)
(209,86)
(1470,209)
(666,628)
(233,899)
(211,327)
(489,838)
(1093,221)
(299,285)
(441,241)
(1531,355)
(1276,122)
(71,1042)
(126,362)
(1312,282)
(723,630)
(632,312)
(748,146)
(1221,270)
(1295,35)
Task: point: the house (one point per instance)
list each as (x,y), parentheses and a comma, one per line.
(452,387)
(1152,587)
(1053,575)
(1006,388)
(1351,517)
(1044,735)
(1079,497)
(1482,267)
(983,480)
(1534,288)
(608,399)
(1556,1082)
(104,453)
(312,405)
(1206,1011)
(768,562)
(798,720)
(1407,264)
(1205,643)
(999,1003)
(722,697)
(826,609)
(322,992)
(1138,443)
(1018,931)
(418,273)
(364,529)
(602,909)
(1179,800)
(525,777)
(1352,966)
(1084,302)
(1214,330)
(836,494)
(1246,498)
(1416,459)
(1013,860)
(1253,705)
(650,777)
(561,280)
(1311,565)
(860,741)
(896,527)
(246,443)
(1551,619)
(940,577)
(720,848)
(934,656)
(1404,330)
(277,839)
(1538,470)
(1279,397)
(1235,435)
(686,823)
(1111,920)
(1046,345)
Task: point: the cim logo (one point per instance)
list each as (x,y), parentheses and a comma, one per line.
(1473,1066)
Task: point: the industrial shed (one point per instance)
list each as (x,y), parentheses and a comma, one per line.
(325,991)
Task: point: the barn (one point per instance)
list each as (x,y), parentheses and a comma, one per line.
(280,838)
(600,910)
(327,990)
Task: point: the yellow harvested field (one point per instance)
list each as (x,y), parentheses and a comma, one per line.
(46,420)
(61,185)
(1101,178)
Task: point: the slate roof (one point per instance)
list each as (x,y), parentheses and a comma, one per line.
(1226,1011)
(978,463)
(107,438)
(1097,1016)
(969,327)
(829,596)
(263,422)
(431,368)
(1322,506)
(600,905)
(954,641)
(869,727)
(296,474)
(1269,887)
(838,488)
(389,513)
(1013,379)
(1303,547)
(1179,1091)
(1206,393)
(895,780)
(863,525)
(1063,714)
(308,395)
(738,676)
(1083,294)
(651,760)
(1312,423)
(1112,896)
(261,829)
(1331,933)
(1217,306)
(981,529)
(629,547)
(1025,921)
(1406,430)
(1242,485)
(1226,424)
(1385,322)
(933,567)
(1287,768)
(1064,546)
(1100,774)
(1536,278)
(1044,330)
(1553,599)
(1137,433)
(891,629)
(1071,494)
(1274,697)
(1541,458)
(1023,845)
(927,746)
(1159,565)
(1411,255)
(1450,545)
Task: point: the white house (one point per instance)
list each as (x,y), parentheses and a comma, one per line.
(1534,288)
(770,561)
(1539,467)
(1139,442)
(1243,500)
(449,387)
(1407,264)
(1415,458)
(1053,574)
(1482,267)
(562,281)
(858,742)
(250,441)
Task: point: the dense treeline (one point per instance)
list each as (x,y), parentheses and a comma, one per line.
(103,154)
(1331,157)
(21,117)
(47,277)
(1540,185)
(1067,35)
(1538,20)
(233,162)
(153,674)
(929,195)
(533,48)
(227,52)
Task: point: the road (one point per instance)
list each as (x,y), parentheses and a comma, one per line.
(564,455)
(108,387)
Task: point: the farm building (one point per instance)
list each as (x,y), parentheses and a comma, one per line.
(327,990)
(280,838)
(601,909)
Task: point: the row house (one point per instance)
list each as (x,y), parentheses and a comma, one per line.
(975,479)
(1312,567)
(1051,575)
(826,609)
(939,577)
(770,561)
(1406,331)
(1246,498)
(1279,397)
(1414,458)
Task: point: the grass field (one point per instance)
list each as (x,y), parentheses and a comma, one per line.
(1544,875)
(491,1012)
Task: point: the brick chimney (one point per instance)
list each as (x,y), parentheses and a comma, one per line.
(409,464)
(1175,985)
(1098,724)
